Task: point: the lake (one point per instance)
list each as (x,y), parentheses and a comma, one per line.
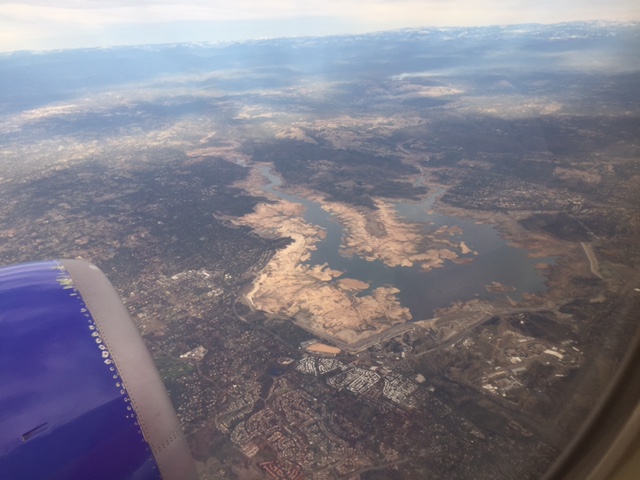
(423,291)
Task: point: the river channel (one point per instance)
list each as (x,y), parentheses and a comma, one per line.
(421,291)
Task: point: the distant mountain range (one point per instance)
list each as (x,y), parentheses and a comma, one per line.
(30,79)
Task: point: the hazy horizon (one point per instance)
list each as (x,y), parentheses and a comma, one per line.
(36,25)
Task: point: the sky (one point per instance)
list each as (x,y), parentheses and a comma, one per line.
(44,25)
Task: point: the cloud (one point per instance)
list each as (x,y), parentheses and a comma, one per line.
(33,23)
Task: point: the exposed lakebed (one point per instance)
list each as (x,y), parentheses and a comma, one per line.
(423,291)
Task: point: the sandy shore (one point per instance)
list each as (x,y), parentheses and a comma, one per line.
(286,286)
(381,235)
(322,301)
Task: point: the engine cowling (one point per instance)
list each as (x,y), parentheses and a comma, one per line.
(80,396)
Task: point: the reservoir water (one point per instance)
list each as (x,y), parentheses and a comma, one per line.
(421,291)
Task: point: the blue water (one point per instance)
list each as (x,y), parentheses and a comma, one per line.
(421,291)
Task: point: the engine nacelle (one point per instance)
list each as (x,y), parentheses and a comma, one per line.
(80,396)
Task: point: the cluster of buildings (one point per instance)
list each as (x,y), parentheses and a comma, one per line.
(318,366)
(517,353)
(357,380)
(395,387)
(291,426)
(282,470)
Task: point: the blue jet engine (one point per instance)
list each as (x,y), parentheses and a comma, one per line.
(80,396)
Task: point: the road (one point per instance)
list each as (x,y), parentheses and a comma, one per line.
(593,261)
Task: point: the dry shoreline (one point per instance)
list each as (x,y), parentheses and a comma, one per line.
(327,304)
(310,294)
